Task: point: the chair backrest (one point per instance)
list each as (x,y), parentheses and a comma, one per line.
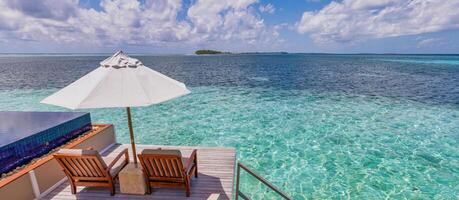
(162,165)
(82,164)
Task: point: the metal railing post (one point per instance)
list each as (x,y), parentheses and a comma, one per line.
(237,181)
(259,178)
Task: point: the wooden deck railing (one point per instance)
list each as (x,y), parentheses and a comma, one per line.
(259,178)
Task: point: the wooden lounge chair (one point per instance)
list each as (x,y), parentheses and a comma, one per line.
(87,168)
(167,168)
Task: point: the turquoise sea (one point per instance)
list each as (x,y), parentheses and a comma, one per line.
(318,126)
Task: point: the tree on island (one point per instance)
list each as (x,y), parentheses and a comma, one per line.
(206,51)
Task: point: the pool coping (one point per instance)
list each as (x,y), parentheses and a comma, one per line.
(41,161)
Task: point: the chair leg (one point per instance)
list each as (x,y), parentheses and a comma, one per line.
(196,170)
(72,184)
(72,187)
(148,188)
(187,191)
(112,188)
(187,187)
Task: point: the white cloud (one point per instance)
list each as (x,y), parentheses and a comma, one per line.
(229,20)
(155,22)
(427,42)
(353,20)
(133,23)
(268,8)
(118,22)
(33,22)
(45,8)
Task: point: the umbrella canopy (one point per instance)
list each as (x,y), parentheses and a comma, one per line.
(120,81)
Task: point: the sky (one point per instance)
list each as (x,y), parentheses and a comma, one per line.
(183,26)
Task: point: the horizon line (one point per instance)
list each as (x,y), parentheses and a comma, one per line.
(248,52)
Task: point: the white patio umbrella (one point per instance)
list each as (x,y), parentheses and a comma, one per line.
(120,81)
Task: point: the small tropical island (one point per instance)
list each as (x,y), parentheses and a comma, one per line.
(214,52)
(209,52)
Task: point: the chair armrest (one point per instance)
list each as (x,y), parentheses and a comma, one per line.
(191,161)
(126,155)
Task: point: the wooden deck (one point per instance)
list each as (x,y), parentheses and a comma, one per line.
(216,173)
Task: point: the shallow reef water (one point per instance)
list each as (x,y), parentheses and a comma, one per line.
(317,126)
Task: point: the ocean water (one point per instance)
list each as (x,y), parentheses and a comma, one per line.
(317,126)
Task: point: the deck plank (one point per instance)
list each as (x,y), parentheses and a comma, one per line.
(216,175)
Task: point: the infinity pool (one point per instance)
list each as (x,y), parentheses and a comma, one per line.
(27,135)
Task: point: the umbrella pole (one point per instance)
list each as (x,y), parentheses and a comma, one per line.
(131,133)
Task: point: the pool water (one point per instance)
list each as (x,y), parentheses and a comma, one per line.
(317,126)
(28,135)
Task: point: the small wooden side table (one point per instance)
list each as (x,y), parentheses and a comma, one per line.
(132,180)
